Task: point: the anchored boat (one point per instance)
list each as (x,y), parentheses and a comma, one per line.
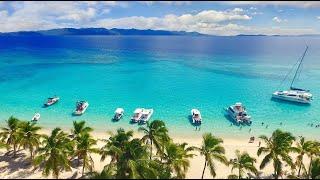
(118,114)
(81,107)
(137,115)
(36,117)
(146,115)
(238,113)
(295,94)
(196,116)
(51,101)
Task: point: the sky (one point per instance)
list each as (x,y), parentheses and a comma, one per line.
(207,17)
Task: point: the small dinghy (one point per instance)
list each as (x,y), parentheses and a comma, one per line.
(81,107)
(51,101)
(118,114)
(36,117)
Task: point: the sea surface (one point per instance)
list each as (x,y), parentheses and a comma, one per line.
(171,74)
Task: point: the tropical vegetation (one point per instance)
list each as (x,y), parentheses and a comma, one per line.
(155,155)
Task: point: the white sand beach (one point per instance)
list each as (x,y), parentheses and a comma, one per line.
(18,168)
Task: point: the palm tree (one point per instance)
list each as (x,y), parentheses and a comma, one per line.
(84,149)
(115,144)
(109,172)
(315,169)
(212,149)
(29,137)
(303,147)
(314,150)
(277,148)
(79,128)
(54,153)
(177,157)
(243,162)
(9,135)
(157,133)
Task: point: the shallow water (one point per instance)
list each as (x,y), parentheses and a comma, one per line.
(172,75)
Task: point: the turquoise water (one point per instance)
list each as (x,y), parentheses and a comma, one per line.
(171,81)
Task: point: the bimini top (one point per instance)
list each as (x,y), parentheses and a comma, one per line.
(119,110)
(195,111)
(138,110)
(238,104)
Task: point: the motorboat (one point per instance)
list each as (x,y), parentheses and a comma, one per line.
(238,113)
(295,94)
(36,117)
(118,114)
(196,116)
(51,101)
(137,115)
(81,107)
(146,115)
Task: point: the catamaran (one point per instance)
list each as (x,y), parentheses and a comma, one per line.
(146,115)
(238,113)
(51,101)
(295,94)
(81,107)
(196,116)
(118,114)
(137,115)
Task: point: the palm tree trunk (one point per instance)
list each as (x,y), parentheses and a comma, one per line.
(31,154)
(78,160)
(14,150)
(151,148)
(84,164)
(309,170)
(204,168)
(239,173)
(299,170)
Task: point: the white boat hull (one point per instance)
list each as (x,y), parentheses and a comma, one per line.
(144,120)
(78,113)
(196,120)
(291,99)
(36,117)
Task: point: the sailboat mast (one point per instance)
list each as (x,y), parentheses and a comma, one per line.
(295,75)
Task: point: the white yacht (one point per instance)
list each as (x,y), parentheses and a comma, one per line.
(137,115)
(118,114)
(81,107)
(36,117)
(146,115)
(196,116)
(295,94)
(238,113)
(51,101)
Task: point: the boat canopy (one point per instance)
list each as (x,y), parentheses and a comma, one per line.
(298,89)
(195,111)
(119,110)
(138,110)
(238,104)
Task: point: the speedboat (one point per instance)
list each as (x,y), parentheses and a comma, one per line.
(118,114)
(238,113)
(36,117)
(137,115)
(294,95)
(81,107)
(196,116)
(146,115)
(51,101)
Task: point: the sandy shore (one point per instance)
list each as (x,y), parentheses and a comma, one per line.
(18,168)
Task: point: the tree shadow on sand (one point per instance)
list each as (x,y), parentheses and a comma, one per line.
(14,164)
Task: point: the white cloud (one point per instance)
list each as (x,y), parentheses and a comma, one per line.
(278,20)
(167,2)
(318,17)
(299,4)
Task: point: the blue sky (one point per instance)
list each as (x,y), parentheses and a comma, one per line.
(216,18)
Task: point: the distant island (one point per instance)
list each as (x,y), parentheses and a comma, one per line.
(123,32)
(102,31)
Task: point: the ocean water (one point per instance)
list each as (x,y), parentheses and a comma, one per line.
(170,74)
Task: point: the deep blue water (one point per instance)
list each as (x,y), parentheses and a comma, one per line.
(171,74)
